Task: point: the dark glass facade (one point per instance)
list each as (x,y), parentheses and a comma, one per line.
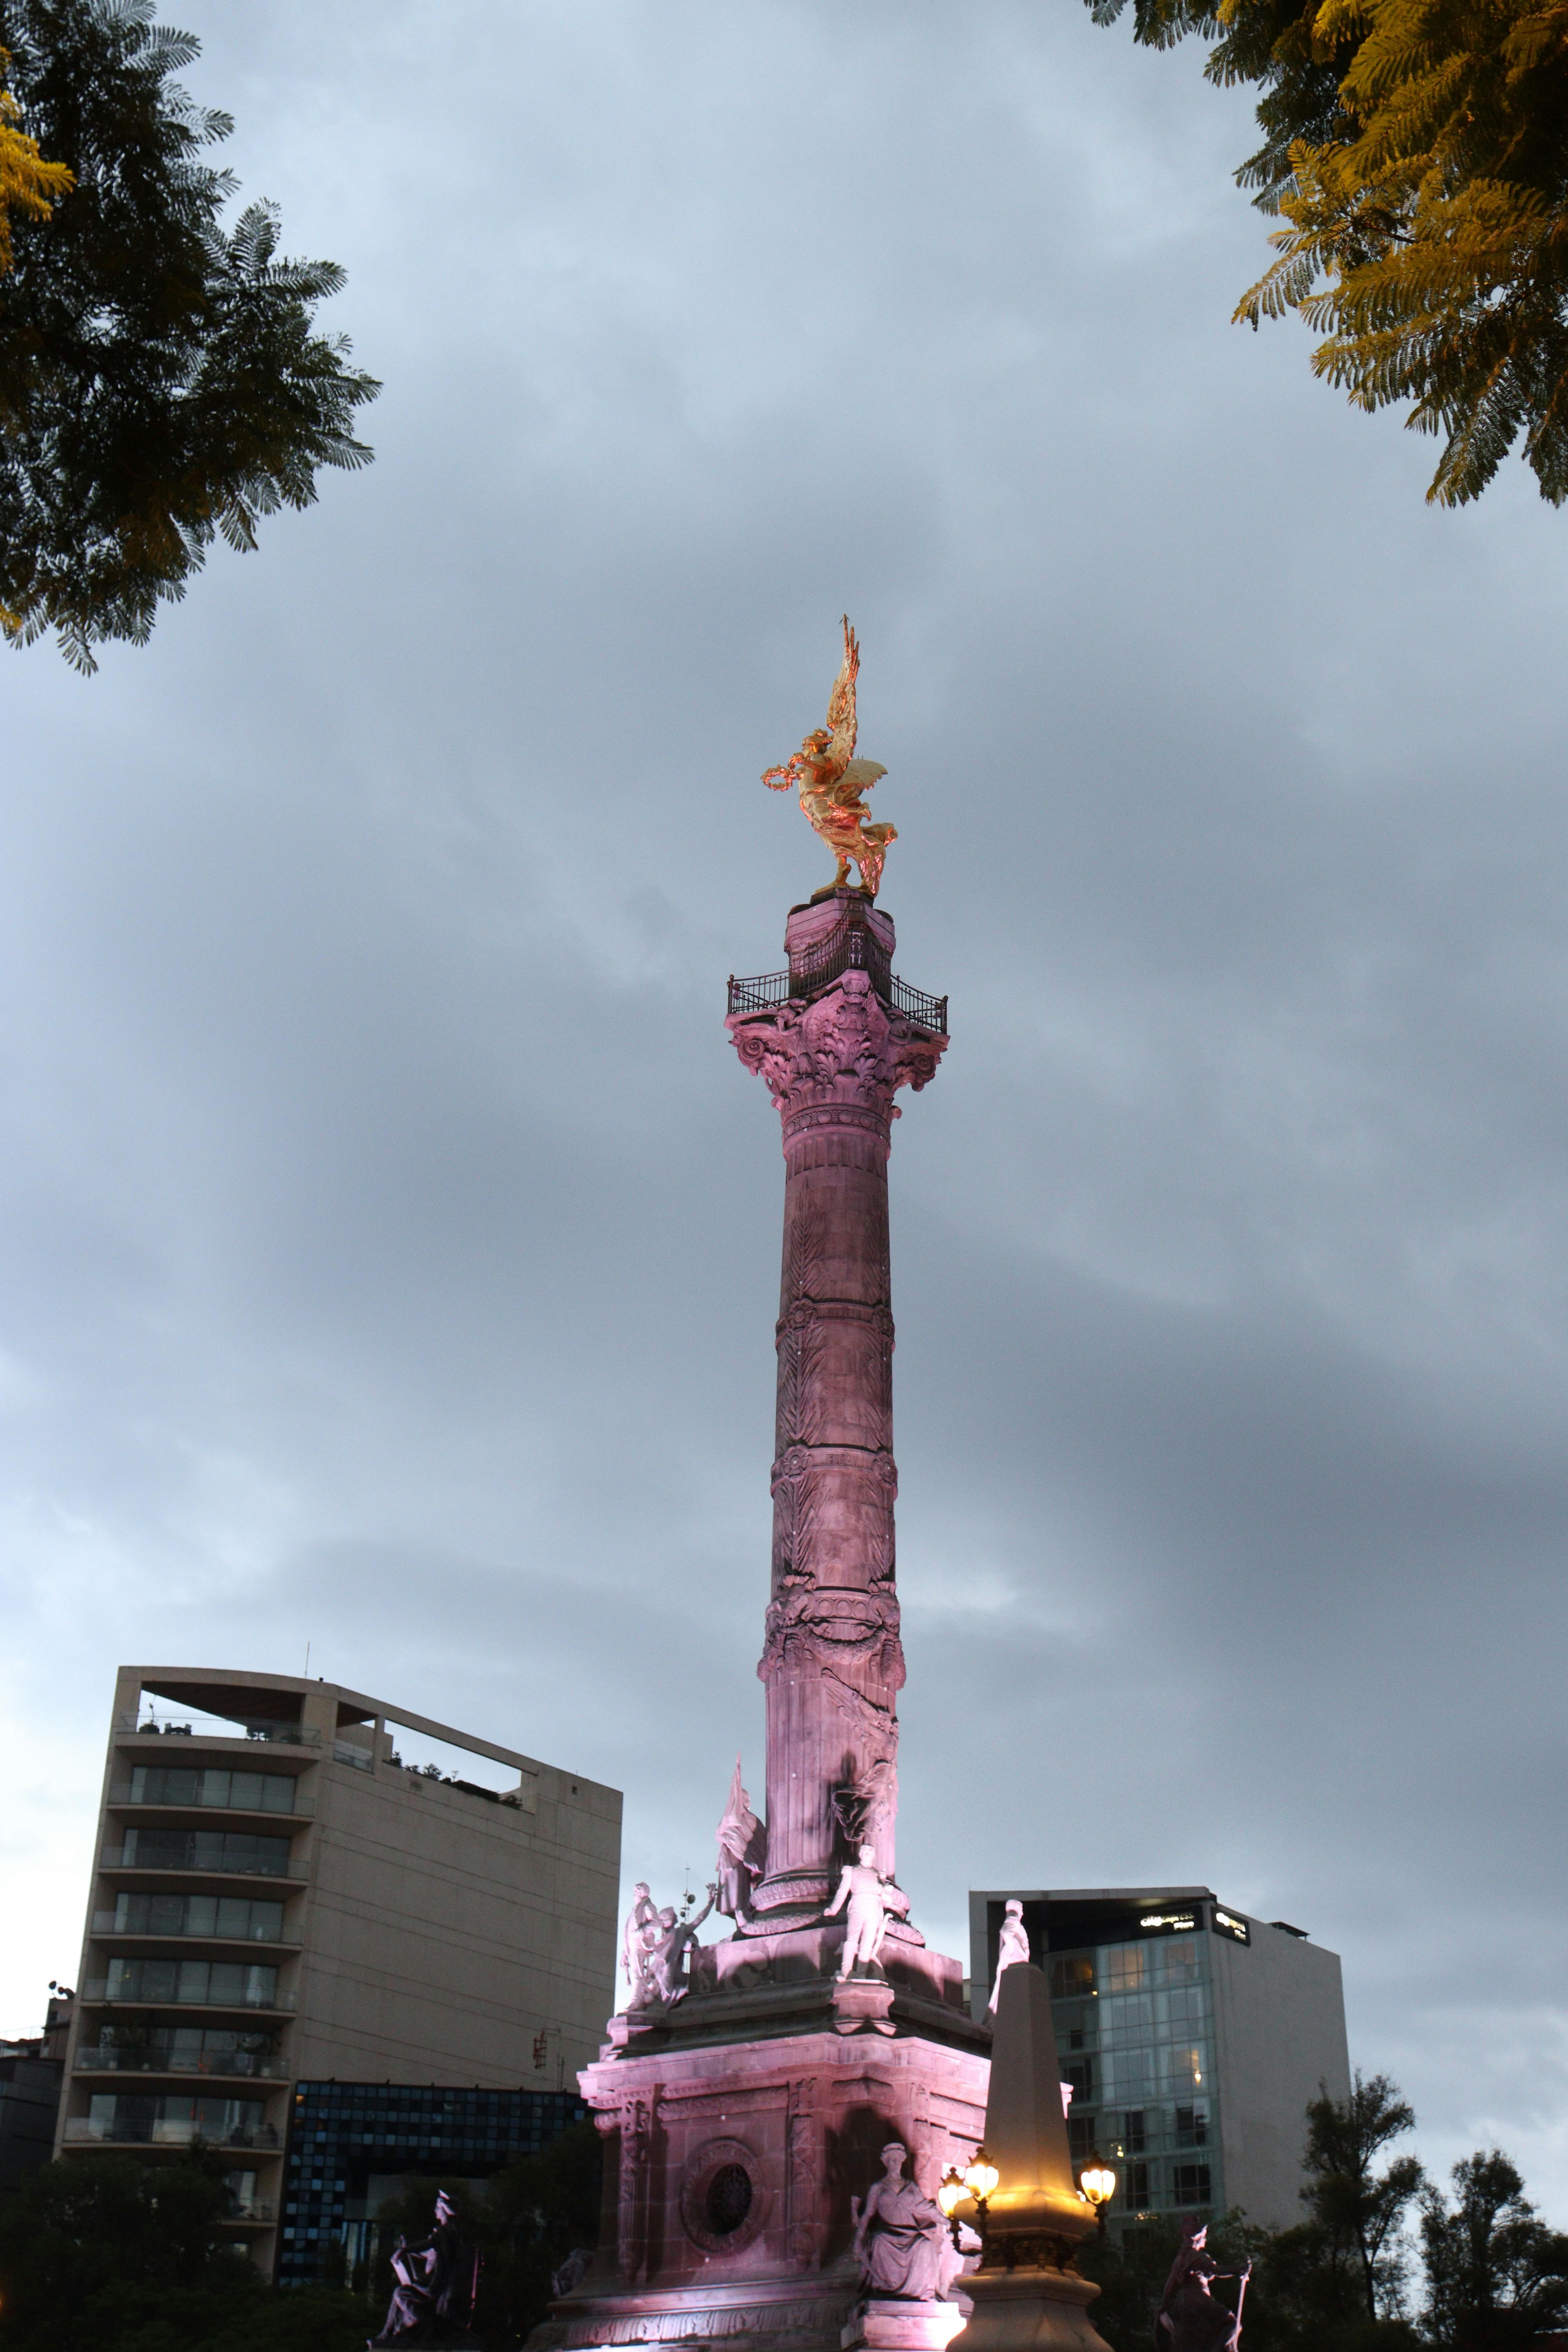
(1134,2025)
(350,2143)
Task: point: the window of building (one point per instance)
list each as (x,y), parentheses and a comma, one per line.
(1073,1976)
(1190,2184)
(1191,2126)
(199,1914)
(1126,1968)
(237,1849)
(1135,2187)
(250,1792)
(217,1984)
(1134,2138)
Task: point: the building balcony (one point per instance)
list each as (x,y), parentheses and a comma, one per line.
(255,2216)
(97,1990)
(145,1941)
(282,1735)
(131,1863)
(170,2131)
(211,2066)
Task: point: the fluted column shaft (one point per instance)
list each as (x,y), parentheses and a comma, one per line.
(832,1661)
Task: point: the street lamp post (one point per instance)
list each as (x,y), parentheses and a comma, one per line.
(1098,2181)
(977,2182)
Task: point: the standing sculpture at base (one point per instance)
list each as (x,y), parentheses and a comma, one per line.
(432,2300)
(862,1885)
(1190,2320)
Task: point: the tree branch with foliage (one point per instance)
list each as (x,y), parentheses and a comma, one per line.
(1419,151)
(160,380)
(27,184)
(1496,2275)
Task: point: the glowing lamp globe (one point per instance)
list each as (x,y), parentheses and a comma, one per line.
(952,2192)
(1098,2181)
(980,2176)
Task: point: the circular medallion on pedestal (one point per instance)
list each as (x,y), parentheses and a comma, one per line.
(723,2202)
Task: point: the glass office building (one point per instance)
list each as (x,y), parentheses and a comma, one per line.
(1134,2025)
(352,2145)
(1193,2037)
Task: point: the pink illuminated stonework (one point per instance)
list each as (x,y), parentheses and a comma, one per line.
(743,2118)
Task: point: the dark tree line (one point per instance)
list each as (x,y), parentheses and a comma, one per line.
(1384,2260)
(122,2253)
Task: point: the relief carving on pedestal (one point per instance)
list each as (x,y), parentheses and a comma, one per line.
(806,2204)
(634,2120)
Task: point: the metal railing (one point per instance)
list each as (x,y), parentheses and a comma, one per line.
(103,1924)
(142,1726)
(96,1988)
(225,2066)
(119,1793)
(170,2131)
(764,990)
(114,1858)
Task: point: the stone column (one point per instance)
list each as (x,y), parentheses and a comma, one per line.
(833,1054)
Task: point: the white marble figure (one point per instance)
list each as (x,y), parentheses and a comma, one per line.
(862,1887)
(902,2244)
(743,1852)
(634,1954)
(1012,1946)
(666,1955)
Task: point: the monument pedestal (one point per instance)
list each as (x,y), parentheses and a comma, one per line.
(885,2324)
(1028,2310)
(740,2127)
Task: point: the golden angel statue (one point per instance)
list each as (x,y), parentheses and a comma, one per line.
(831,781)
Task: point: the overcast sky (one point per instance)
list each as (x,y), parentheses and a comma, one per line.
(389,1236)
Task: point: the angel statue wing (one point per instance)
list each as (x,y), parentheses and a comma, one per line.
(841,720)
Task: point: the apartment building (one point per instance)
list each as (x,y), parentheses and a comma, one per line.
(283,1892)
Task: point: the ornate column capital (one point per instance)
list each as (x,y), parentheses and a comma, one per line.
(835,1053)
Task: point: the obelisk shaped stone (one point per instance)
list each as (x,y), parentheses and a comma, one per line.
(1026,2131)
(1028,2294)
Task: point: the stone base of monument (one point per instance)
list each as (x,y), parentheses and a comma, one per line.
(891,2324)
(740,2127)
(1030,2311)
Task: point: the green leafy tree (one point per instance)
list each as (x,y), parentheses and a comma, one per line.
(117,2253)
(1356,2211)
(1496,2275)
(1419,149)
(160,381)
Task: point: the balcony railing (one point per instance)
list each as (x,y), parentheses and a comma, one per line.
(115,1858)
(96,1988)
(142,1726)
(248,2217)
(103,1924)
(123,1792)
(246,2065)
(174,2131)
